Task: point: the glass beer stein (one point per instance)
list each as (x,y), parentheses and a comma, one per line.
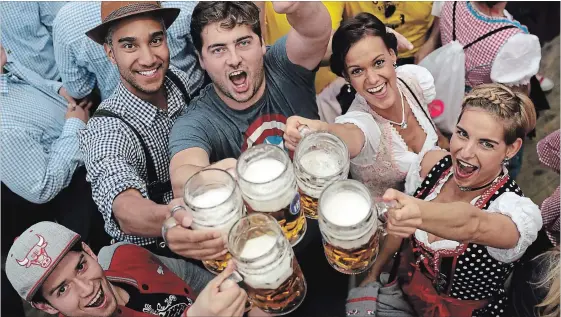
(349,227)
(271,275)
(216,201)
(267,182)
(320,159)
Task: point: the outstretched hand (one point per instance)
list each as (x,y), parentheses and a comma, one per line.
(403,221)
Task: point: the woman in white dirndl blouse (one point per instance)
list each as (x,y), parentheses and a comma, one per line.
(468,222)
(387,127)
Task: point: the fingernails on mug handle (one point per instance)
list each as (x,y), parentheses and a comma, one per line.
(230,281)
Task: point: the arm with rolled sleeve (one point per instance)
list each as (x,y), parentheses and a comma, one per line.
(77,79)
(110,155)
(508,227)
(31,172)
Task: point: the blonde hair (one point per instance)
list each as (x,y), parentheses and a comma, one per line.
(513,107)
(549,307)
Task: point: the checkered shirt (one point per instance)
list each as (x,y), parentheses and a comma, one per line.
(83,64)
(114,156)
(27,34)
(39,146)
(548,153)
(470,25)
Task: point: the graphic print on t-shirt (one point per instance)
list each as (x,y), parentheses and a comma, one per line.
(169,308)
(267,129)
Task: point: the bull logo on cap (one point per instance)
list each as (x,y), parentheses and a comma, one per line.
(37,255)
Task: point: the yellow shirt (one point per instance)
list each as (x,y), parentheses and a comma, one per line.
(277,26)
(412,19)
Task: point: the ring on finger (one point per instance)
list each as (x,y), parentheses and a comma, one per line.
(176,209)
(168,224)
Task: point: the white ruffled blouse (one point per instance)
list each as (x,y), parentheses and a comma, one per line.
(523,212)
(405,160)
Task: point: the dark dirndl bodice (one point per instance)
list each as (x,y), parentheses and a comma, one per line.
(467,272)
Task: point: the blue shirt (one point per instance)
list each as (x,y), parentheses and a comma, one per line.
(83,63)
(27,34)
(40,149)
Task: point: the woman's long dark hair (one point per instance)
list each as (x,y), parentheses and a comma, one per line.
(352,31)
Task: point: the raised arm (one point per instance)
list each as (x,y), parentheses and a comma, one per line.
(185,164)
(349,133)
(311,30)
(188,162)
(504,226)
(117,188)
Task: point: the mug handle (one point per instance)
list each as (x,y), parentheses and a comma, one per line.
(382,207)
(236,278)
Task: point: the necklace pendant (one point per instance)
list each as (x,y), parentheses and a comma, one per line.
(404,125)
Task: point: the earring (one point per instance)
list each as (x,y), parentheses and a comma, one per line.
(348,88)
(505,161)
(394,65)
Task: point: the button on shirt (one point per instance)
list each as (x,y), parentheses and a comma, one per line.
(83,63)
(27,34)
(114,156)
(40,149)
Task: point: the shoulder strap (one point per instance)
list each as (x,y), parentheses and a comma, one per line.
(175,79)
(150,167)
(420,105)
(454,21)
(486,35)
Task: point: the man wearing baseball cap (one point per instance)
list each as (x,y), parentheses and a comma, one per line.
(125,144)
(50,267)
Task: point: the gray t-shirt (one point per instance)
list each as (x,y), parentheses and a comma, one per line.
(208,123)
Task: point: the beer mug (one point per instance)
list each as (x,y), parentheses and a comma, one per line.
(216,201)
(382,207)
(267,182)
(263,256)
(349,227)
(320,159)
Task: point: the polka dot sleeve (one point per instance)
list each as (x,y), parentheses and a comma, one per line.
(527,218)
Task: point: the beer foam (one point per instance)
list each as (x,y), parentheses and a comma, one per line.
(264,170)
(210,224)
(212,197)
(273,196)
(269,273)
(222,217)
(320,164)
(345,208)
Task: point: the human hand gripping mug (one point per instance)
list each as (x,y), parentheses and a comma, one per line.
(320,159)
(263,256)
(216,201)
(268,185)
(349,227)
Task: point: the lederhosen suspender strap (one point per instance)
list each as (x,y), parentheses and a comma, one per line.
(175,79)
(156,189)
(482,37)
